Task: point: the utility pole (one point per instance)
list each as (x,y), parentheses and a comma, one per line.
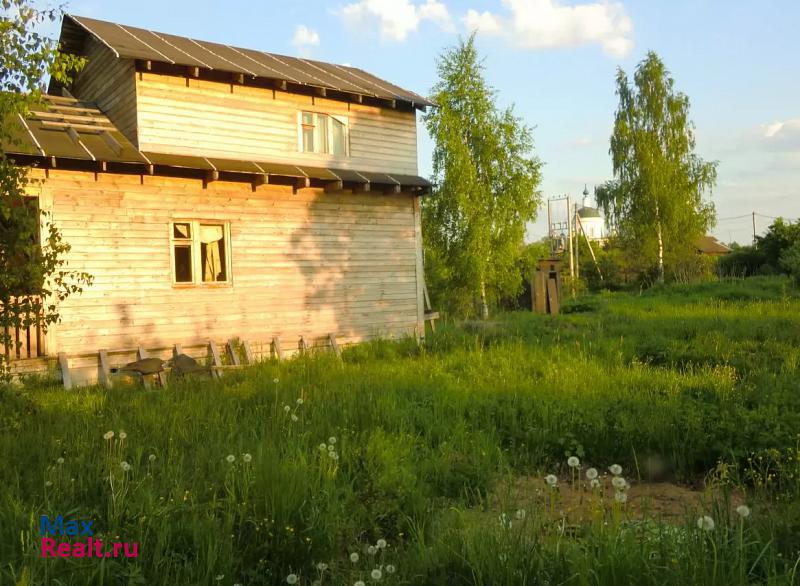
(569,235)
(574,219)
(754,228)
(549,230)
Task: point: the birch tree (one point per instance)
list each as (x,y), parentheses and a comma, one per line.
(485,181)
(656,200)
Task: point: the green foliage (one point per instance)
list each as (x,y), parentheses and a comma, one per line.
(34,277)
(773,253)
(790,261)
(485,188)
(699,377)
(655,201)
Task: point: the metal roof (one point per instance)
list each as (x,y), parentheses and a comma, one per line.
(68,130)
(129,42)
(587,212)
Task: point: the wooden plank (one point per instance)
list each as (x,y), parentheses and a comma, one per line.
(63,365)
(232,353)
(177,349)
(104,371)
(334,345)
(303,345)
(215,359)
(248,353)
(140,354)
(552,296)
(276,348)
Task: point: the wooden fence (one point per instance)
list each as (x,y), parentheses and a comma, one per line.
(27,339)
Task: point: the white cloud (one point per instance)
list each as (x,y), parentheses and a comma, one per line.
(782,135)
(547,24)
(395,19)
(304,37)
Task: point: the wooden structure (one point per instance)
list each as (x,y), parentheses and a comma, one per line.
(546,287)
(215,192)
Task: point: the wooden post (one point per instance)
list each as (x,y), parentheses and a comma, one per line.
(63,364)
(248,353)
(276,348)
(104,374)
(335,345)
(303,345)
(215,360)
(177,349)
(140,354)
(233,354)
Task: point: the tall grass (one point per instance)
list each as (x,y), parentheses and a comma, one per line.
(405,444)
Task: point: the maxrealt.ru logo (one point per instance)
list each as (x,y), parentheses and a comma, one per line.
(88,547)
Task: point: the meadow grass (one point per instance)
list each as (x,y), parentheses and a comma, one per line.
(275,469)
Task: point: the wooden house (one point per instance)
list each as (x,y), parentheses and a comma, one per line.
(215,192)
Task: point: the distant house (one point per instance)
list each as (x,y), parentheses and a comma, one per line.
(709,246)
(216,192)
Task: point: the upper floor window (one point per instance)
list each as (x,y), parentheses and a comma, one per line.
(200,252)
(324,134)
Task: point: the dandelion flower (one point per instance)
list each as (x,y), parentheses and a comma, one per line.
(247,458)
(520,514)
(60,461)
(231,458)
(220,577)
(376,574)
(300,400)
(573,462)
(551,480)
(322,566)
(743,511)
(372,550)
(48,483)
(332,455)
(619,482)
(323,447)
(335,456)
(591,473)
(621,497)
(359,583)
(122,435)
(354,557)
(594,483)
(291,579)
(615,469)
(390,569)
(125,466)
(331,448)
(287,408)
(152,457)
(705,523)
(294,417)
(108,435)
(275,380)
(381,543)
(332,440)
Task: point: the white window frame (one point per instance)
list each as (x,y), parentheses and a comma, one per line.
(197,265)
(317,146)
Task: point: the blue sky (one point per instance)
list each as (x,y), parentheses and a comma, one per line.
(555,60)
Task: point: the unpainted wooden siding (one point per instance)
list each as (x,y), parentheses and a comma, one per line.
(111,84)
(211,119)
(308,264)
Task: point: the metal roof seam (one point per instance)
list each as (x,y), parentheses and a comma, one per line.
(223,58)
(280,75)
(181,50)
(98,37)
(311,64)
(33,136)
(289,66)
(146,44)
(369,81)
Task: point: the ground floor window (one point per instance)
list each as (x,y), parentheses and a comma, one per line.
(200,252)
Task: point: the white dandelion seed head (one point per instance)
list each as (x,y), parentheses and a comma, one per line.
(372,550)
(520,514)
(619,482)
(230,458)
(573,462)
(334,455)
(354,557)
(322,566)
(331,447)
(332,439)
(300,400)
(122,435)
(359,583)
(551,480)
(595,483)
(287,408)
(125,466)
(48,483)
(219,578)
(621,497)
(591,473)
(247,458)
(152,457)
(615,469)
(381,544)
(390,569)
(376,574)
(743,511)
(323,447)
(294,417)
(60,461)
(705,523)
(275,380)
(108,435)
(291,579)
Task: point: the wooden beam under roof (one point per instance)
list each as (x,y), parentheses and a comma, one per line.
(336,185)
